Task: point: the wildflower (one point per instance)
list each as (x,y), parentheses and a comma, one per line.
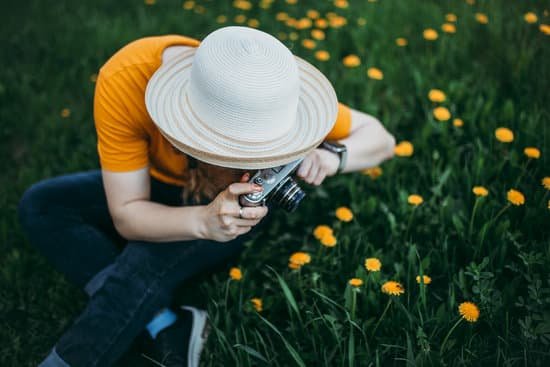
(321,230)
(291,2)
(308,43)
(221,19)
(441,113)
(342,4)
(293,36)
(322,55)
(532,152)
(530,17)
(436,95)
(458,122)
(415,200)
(373,264)
(337,22)
(344,214)
(404,149)
(281,16)
(318,34)
(328,240)
(546,182)
(313,14)
(504,135)
(373,172)
(545,28)
(298,259)
(351,61)
(356,282)
(93,78)
(321,23)
(150,2)
(450,17)
(235,273)
(401,42)
(515,197)
(375,73)
(393,288)
(257,303)
(254,23)
(188,5)
(430,34)
(448,28)
(242,4)
(482,18)
(480,191)
(425,279)
(304,23)
(65,113)
(240,18)
(468,311)
(361,21)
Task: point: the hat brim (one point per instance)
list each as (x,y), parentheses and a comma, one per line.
(168,105)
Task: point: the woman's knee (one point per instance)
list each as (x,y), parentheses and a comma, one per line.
(32,203)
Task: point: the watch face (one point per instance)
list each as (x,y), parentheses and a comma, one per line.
(337,147)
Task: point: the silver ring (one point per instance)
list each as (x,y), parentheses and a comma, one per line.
(240,212)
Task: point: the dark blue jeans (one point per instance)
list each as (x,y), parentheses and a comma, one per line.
(67,219)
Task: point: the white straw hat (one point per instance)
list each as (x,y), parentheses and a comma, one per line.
(241,99)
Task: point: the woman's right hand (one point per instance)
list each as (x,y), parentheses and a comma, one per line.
(221,221)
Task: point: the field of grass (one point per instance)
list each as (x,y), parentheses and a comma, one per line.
(494,73)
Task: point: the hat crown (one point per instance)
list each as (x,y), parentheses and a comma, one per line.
(244,84)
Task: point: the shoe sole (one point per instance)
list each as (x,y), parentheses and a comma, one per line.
(199,334)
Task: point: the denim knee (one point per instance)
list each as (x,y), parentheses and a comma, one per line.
(31,205)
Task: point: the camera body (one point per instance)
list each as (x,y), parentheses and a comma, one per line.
(278,187)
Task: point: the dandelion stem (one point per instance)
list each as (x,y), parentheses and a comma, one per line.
(523,170)
(409,223)
(471,227)
(381,317)
(353,302)
(448,334)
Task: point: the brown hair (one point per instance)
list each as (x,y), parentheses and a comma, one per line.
(205,181)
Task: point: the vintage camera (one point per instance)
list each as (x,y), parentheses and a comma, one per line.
(278,187)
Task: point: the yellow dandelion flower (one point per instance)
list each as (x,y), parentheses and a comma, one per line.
(468,311)
(322,55)
(199,9)
(337,22)
(235,273)
(436,95)
(441,113)
(426,279)
(342,4)
(328,240)
(530,17)
(532,152)
(450,17)
(321,230)
(254,23)
(304,23)
(373,172)
(355,282)
(291,2)
(318,34)
(415,199)
(401,42)
(242,4)
(361,21)
(351,61)
(404,149)
(375,73)
(282,36)
(150,2)
(546,183)
(308,43)
(545,28)
(188,5)
(300,258)
(430,34)
(281,16)
(470,2)
(93,78)
(293,36)
(294,266)
(344,214)
(458,122)
(393,288)
(515,197)
(448,28)
(504,135)
(480,191)
(313,14)
(257,303)
(240,18)
(221,19)
(482,18)
(65,113)
(321,23)
(373,264)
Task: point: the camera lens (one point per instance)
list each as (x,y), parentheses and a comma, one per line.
(288,195)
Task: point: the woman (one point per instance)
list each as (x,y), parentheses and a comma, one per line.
(182,125)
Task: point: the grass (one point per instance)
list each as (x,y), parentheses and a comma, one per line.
(493,74)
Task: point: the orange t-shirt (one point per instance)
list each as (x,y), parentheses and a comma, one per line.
(128,139)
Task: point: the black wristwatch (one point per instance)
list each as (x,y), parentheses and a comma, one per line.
(340,149)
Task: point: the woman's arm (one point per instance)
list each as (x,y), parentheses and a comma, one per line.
(368,144)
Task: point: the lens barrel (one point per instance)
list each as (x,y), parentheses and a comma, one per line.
(288,195)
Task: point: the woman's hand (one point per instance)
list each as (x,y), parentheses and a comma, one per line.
(220,219)
(317,165)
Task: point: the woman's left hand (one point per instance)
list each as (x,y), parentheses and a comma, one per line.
(317,165)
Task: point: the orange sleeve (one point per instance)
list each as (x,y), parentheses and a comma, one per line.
(342,126)
(122,144)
